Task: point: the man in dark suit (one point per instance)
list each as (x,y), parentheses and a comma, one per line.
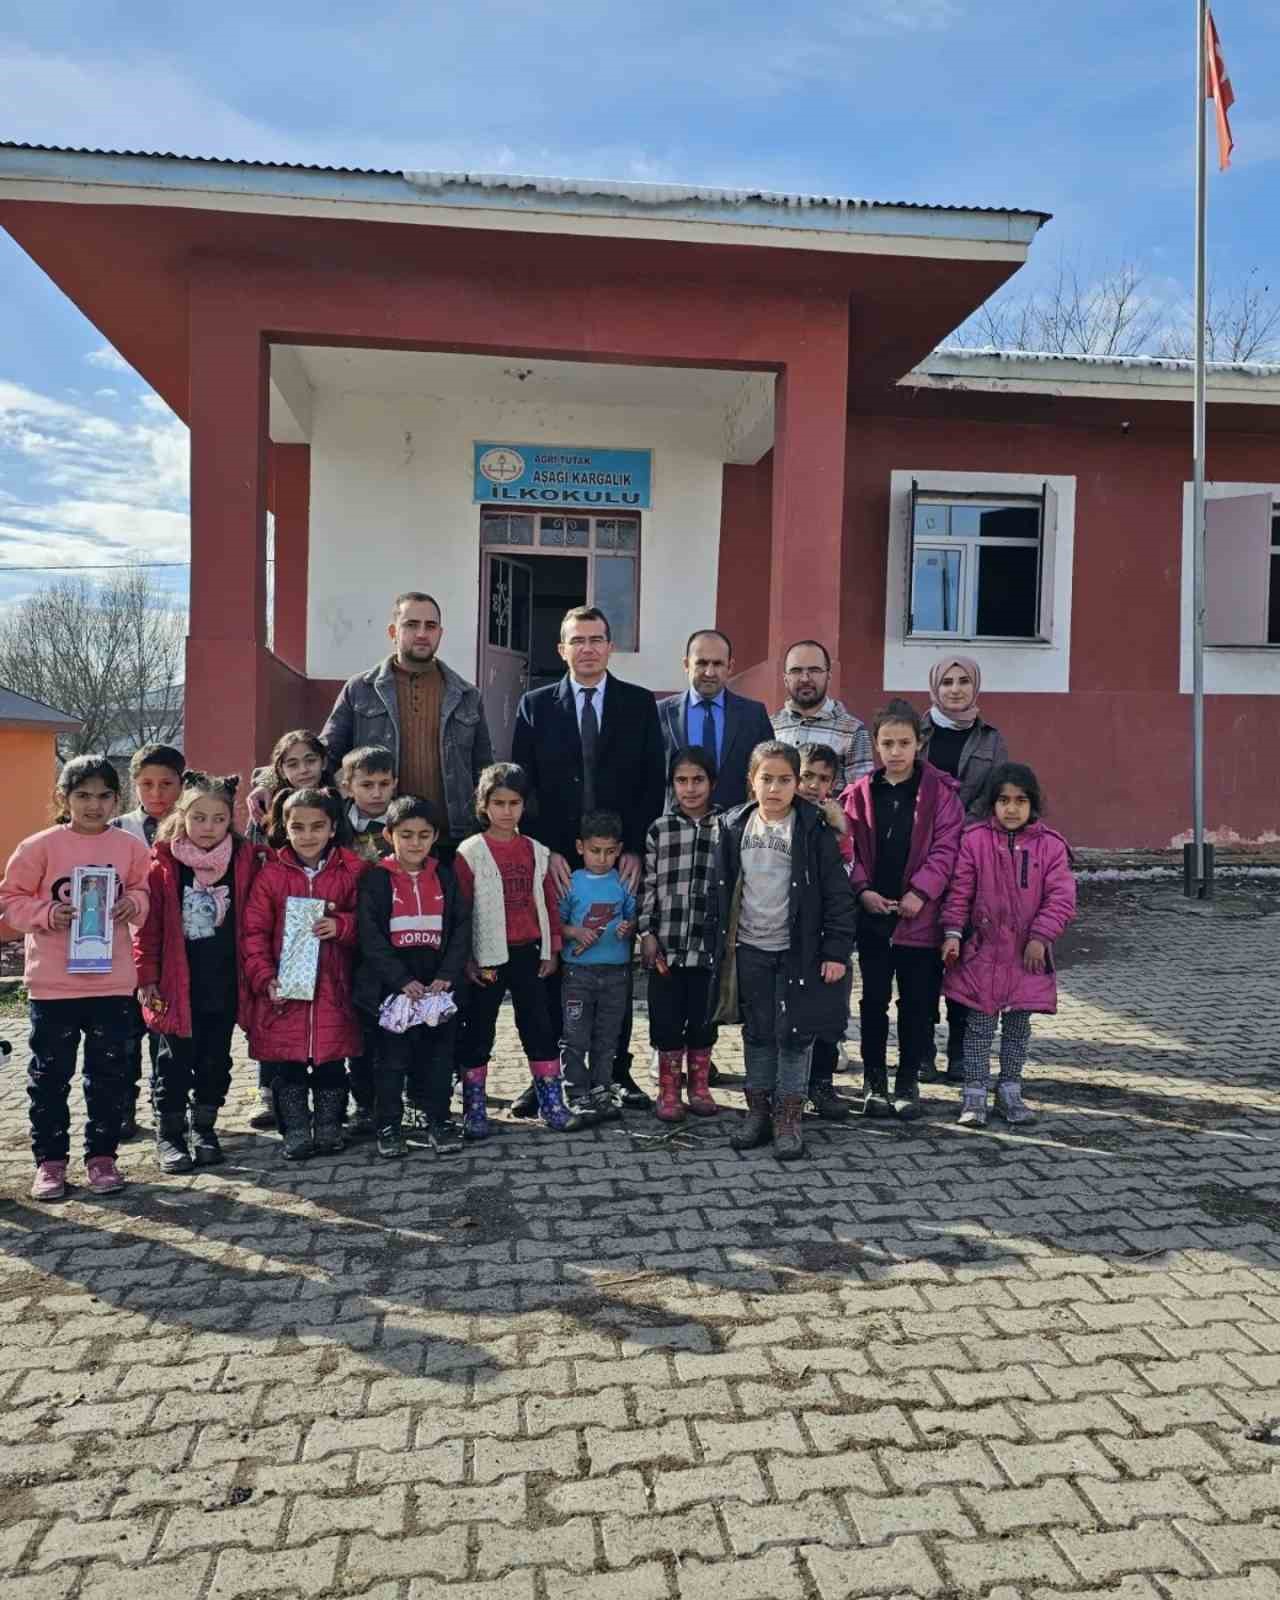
(591,743)
(727,725)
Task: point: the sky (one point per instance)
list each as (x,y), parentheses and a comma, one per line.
(1084,110)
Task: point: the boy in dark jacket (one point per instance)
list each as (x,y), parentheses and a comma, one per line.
(415,937)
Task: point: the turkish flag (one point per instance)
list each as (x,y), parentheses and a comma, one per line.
(1218,89)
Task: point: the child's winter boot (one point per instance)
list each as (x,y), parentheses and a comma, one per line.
(699,1090)
(329,1107)
(670,1074)
(475,1115)
(788,1141)
(172,1153)
(549,1087)
(973,1106)
(756,1128)
(1010,1104)
(204,1137)
(293,1118)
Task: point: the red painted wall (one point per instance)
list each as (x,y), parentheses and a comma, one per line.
(746,551)
(1114,753)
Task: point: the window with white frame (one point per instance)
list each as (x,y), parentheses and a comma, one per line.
(979,564)
(1242,569)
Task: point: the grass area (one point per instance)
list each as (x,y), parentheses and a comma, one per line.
(13,1003)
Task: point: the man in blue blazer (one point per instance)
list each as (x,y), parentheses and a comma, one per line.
(558,727)
(709,714)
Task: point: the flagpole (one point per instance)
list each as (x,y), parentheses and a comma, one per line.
(1198,885)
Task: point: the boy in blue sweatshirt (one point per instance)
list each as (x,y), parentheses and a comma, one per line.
(598,917)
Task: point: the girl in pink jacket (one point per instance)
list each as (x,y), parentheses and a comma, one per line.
(1012,896)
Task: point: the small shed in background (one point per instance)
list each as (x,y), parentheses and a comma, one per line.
(29,733)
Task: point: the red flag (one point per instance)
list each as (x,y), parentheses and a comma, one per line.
(1218,89)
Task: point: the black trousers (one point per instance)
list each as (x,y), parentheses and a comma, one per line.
(141,1032)
(106,1023)
(197,1069)
(539,1038)
(881,964)
(422,1057)
(956,1014)
(362,1069)
(678,1008)
(315,1075)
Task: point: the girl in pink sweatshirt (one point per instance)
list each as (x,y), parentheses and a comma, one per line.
(37,896)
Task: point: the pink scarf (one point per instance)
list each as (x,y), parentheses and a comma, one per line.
(207,866)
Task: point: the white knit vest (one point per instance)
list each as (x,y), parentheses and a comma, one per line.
(489,912)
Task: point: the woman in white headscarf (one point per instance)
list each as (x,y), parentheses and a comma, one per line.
(958,742)
(956,739)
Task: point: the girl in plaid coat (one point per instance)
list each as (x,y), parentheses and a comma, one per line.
(677,923)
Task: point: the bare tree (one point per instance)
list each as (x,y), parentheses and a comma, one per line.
(1110,315)
(109,654)
(1113,314)
(1242,323)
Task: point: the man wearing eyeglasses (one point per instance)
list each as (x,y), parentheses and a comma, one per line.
(591,743)
(812,716)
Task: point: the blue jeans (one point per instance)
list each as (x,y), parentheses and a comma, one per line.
(777,1058)
(107,1024)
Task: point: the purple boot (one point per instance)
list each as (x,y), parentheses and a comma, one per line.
(475,1117)
(549,1086)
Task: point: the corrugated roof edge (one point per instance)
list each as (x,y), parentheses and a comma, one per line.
(637,193)
(1252,369)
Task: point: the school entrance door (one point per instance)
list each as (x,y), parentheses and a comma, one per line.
(534,568)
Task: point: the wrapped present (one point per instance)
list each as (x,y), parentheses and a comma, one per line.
(300,951)
(398,1013)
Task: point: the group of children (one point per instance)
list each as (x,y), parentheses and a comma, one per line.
(409,950)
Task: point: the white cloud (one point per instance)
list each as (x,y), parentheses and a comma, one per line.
(108,357)
(87,489)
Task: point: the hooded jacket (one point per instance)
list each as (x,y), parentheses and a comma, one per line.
(931,859)
(324,1028)
(398,937)
(822,919)
(160,950)
(1008,888)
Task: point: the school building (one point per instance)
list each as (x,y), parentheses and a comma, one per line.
(686,405)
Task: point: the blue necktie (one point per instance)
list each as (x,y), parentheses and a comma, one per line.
(709,729)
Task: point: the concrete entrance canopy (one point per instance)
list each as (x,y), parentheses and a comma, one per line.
(197,269)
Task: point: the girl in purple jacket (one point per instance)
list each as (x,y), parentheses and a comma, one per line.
(905,822)
(1012,896)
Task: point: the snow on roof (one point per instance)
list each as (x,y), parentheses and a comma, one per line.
(15,707)
(639,194)
(1134,364)
(1098,377)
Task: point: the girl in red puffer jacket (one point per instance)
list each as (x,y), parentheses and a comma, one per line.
(191,981)
(1012,896)
(303,1043)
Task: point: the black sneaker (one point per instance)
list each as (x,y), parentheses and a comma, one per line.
(830,1106)
(875,1103)
(584,1108)
(906,1107)
(633,1096)
(391,1145)
(603,1106)
(713,1075)
(444,1137)
(360,1123)
(526,1105)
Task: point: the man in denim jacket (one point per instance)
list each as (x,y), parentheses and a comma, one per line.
(429,717)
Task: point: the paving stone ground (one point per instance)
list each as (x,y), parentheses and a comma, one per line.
(927,1361)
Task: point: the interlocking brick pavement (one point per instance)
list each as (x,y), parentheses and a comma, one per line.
(628,1364)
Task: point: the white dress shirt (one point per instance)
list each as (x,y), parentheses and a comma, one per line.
(579,698)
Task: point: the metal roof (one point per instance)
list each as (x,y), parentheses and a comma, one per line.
(1130,364)
(643,194)
(15,707)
